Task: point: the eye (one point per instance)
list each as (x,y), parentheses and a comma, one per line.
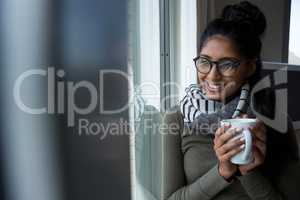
(203,65)
(203,61)
(228,64)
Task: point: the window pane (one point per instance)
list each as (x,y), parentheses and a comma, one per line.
(294,46)
(144,60)
(150,51)
(144,47)
(183,46)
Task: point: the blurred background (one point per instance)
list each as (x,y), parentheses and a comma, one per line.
(61,47)
(41,157)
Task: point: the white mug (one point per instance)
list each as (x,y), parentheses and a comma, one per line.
(245,156)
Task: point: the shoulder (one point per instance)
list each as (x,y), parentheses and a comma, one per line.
(173,115)
(172,122)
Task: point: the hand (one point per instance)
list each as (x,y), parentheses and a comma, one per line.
(259,148)
(227,146)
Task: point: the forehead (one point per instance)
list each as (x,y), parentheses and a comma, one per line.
(219,47)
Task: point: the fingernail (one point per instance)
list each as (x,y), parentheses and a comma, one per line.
(238,137)
(242,146)
(242,139)
(238,129)
(233,132)
(227,126)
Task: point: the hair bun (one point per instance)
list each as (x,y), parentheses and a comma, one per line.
(246,13)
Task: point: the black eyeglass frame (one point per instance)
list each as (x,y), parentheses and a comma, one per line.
(236,64)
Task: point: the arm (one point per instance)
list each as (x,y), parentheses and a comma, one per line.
(258,187)
(204,188)
(174,184)
(285,184)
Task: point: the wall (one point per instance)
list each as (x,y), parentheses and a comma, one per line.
(275,42)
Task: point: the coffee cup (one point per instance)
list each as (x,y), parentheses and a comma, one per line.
(245,156)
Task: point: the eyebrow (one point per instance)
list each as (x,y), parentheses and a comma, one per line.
(203,55)
(207,56)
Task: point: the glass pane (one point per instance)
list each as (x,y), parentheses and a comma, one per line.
(183,36)
(294,47)
(149,52)
(144,60)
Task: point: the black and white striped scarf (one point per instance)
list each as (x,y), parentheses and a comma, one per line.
(197,109)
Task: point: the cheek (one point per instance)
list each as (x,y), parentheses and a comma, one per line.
(201,77)
(231,85)
(244,72)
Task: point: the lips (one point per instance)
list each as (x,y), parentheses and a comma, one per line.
(212,87)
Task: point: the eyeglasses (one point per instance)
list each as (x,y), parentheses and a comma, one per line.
(225,66)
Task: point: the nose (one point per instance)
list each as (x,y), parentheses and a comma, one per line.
(214,74)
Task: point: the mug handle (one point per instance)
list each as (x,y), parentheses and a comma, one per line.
(248,142)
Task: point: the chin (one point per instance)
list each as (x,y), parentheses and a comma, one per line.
(216,97)
(226,91)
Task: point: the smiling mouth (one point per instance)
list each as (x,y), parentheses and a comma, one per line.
(212,87)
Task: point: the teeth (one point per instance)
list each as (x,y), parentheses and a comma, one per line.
(213,86)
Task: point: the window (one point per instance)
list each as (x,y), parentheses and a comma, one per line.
(162,45)
(294,47)
(144,63)
(183,48)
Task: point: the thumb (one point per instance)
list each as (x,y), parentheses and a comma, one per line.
(242,116)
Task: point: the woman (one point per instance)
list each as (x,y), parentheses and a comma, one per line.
(228,65)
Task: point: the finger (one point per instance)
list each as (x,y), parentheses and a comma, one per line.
(222,129)
(259,124)
(244,116)
(225,137)
(220,138)
(258,135)
(258,156)
(259,121)
(259,132)
(219,131)
(231,153)
(262,139)
(261,146)
(238,141)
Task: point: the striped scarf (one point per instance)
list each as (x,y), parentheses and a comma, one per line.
(197,109)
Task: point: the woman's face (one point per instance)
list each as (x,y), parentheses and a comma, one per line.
(214,84)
